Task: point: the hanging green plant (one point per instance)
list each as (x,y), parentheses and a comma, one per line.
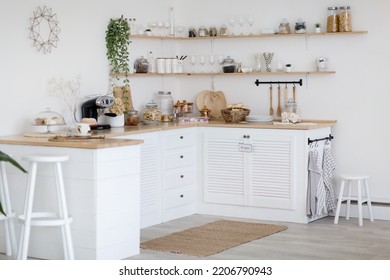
(117,44)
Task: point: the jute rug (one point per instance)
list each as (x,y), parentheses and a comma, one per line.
(211,238)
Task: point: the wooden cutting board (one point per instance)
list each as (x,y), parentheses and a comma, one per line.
(71,138)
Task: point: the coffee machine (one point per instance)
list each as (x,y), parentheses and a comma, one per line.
(95,107)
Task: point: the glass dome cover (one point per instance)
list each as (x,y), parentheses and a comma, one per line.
(48,118)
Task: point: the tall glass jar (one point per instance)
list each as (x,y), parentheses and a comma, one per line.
(345,19)
(332,23)
(165,104)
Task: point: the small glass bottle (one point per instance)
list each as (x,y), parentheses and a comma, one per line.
(332,21)
(345,19)
(132,117)
(165,104)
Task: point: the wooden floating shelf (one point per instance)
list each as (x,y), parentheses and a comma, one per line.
(227,74)
(250,36)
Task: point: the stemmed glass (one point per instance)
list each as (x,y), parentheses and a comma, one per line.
(232,22)
(220,60)
(241,22)
(211,61)
(202,62)
(167,26)
(251,21)
(193,62)
(160,26)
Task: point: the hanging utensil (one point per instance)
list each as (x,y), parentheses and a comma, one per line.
(286,98)
(271,110)
(279,109)
(294,98)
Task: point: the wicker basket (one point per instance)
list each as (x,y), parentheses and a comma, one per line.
(234,115)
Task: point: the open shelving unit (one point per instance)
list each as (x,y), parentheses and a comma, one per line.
(227,74)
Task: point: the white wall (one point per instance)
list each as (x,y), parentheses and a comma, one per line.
(356,96)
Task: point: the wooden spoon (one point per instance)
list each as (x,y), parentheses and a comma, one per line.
(271,110)
(279,109)
(294,99)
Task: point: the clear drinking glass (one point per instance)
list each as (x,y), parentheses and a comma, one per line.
(193,62)
(232,22)
(251,21)
(202,61)
(212,62)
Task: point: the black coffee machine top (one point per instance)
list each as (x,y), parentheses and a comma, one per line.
(93,108)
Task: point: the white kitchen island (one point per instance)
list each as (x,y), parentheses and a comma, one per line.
(102,182)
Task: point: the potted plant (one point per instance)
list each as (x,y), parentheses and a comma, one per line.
(288,67)
(117,44)
(116,117)
(317,27)
(7,158)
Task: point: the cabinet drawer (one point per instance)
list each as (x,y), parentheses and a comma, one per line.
(176,199)
(179,139)
(179,177)
(179,158)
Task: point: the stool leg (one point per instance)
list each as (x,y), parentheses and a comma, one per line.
(359,199)
(66,232)
(349,183)
(26,225)
(11,247)
(368,200)
(336,217)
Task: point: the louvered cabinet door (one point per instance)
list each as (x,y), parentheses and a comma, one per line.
(223,167)
(271,171)
(150,200)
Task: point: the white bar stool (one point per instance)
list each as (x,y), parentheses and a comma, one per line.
(30,218)
(349,179)
(10,237)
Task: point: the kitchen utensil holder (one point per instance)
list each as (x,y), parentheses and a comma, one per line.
(329,138)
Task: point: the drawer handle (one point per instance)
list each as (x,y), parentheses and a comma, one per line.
(181,156)
(181,137)
(182,195)
(181,176)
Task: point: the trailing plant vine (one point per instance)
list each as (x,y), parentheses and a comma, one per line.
(117,44)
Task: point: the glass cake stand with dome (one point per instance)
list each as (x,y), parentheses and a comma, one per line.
(48,121)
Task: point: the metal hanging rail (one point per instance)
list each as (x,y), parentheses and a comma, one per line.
(257,82)
(329,138)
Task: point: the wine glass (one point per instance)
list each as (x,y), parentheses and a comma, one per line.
(193,62)
(220,60)
(167,26)
(241,22)
(251,21)
(160,26)
(202,62)
(232,22)
(212,62)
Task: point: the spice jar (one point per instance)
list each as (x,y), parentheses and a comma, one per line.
(332,21)
(165,105)
(284,27)
(300,26)
(141,65)
(345,19)
(228,65)
(132,117)
(151,112)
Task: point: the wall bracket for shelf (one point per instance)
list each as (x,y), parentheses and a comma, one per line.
(257,82)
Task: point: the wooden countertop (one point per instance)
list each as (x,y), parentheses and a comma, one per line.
(109,141)
(82,144)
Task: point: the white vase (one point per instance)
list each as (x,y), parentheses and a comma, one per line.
(318,30)
(117,121)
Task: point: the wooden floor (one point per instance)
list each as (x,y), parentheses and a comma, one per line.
(320,240)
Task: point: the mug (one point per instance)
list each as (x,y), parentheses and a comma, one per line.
(322,64)
(83,128)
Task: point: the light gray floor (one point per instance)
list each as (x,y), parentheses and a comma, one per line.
(320,240)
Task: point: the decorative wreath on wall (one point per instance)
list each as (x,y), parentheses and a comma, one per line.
(44,29)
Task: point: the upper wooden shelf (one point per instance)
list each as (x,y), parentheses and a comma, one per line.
(250,36)
(227,74)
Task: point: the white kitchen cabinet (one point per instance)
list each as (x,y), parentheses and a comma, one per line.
(255,173)
(150,178)
(260,174)
(178,173)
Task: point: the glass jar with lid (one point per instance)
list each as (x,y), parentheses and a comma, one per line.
(229,65)
(165,104)
(345,19)
(332,21)
(151,114)
(141,65)
(132,117)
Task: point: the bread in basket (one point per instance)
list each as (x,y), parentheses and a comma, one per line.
(235,115)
